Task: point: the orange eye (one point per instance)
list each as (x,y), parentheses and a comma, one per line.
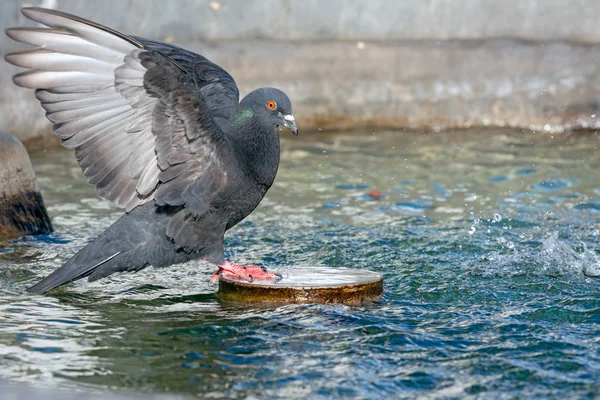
(271,105)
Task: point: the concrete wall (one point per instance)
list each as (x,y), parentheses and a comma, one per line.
(422,64)
(187,20)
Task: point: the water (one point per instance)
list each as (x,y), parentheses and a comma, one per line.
(488,242)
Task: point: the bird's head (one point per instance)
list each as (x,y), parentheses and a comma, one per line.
(273,106)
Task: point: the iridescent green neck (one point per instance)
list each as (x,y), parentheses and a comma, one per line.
(242,116)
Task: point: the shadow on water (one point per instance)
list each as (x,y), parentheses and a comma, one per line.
(488,242)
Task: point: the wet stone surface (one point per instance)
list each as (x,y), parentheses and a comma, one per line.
(22,210)
(301,284)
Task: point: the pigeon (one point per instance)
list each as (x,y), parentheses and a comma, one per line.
(158,130)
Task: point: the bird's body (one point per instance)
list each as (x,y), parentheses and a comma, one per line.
(158,130)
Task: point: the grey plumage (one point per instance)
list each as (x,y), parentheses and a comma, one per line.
(156,129)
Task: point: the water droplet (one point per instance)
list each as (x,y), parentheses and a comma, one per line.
(472,230)
(497,217)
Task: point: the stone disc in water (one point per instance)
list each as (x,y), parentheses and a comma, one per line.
(308,285)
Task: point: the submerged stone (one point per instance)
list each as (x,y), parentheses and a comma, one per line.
(308,285)
(22,210)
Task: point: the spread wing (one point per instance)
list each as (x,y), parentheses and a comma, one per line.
(217,87)
(143,117)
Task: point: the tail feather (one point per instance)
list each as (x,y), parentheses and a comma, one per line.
(133,242)
(70,272)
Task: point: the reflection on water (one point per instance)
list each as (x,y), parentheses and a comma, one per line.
(488,242)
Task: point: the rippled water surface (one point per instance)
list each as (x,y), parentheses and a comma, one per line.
(488,241)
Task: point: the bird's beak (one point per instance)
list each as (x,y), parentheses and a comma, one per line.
(290,123)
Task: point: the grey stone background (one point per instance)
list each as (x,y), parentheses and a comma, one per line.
(536,20)
(349,64)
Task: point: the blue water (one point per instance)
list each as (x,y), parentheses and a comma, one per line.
(488,241)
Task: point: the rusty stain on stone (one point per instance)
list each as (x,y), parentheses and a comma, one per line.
(22,210)
(366,291)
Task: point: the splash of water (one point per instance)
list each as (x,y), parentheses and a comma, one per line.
(554,257)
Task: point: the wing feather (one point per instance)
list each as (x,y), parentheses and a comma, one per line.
(143,117)
(48,60)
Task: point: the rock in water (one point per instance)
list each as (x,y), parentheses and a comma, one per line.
(22,210)
(156,129)
(307,285)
